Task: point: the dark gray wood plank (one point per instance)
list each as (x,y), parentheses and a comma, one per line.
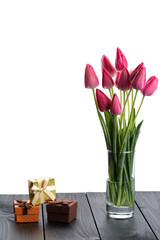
(9,229)
(83,227)
(111,229)
(149,204)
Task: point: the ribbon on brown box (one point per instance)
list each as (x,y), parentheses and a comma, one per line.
(61,201)
(25,205)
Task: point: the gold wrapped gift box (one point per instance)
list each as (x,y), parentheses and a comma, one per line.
(42,190)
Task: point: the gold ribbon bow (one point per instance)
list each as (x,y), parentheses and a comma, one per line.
(25,205)
(41,189)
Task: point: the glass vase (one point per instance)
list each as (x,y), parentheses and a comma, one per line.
(120,188)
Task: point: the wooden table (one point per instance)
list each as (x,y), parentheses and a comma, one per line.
(91,223)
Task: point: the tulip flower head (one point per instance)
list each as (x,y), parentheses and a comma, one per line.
(104,103)
(150,86)
(116,108)
(108,65)
(117,78)
(90,78)
(135,71)
(124,82)
(120,61)
(139,80)
(107,81)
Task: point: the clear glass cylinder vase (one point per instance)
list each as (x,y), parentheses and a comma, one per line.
(120,188)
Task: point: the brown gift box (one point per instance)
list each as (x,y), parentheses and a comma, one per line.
(62,210)
(25,212)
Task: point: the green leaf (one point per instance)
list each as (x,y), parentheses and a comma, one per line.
(121,159)
(105,130)
(138,129)
(137,132)
(133,140)
(109,123)
(133,126)
(115,140)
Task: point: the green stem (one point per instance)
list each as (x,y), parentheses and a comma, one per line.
(128,109)
(120,97)
(139,106)
(124,108)
(124,122)
(115,133)
(130,187)
(121,103)
(120,152)
(132,99)
(115,140)
(132,96)
(110,92)
(104,127)
(129,122)
(95,100)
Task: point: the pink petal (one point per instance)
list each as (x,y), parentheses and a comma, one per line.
(107,81)
(139,80)
(103,101)
(90,78)
(108,65)
(120,61)
(150,86)
(135,71)
(124,82)
(117,78)
(116,108)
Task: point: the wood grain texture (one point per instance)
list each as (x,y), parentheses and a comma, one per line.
(149,204)
(83,227)
(111,229)
(9,229)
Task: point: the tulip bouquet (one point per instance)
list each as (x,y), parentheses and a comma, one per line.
(118,120)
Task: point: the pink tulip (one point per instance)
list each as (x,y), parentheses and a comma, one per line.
(124,82)
(107,81)
(117,78)
(116,108)
(139,80)
(121,60)
(150,86)
(103,101)
(108,65)
(90,78)
(135,71)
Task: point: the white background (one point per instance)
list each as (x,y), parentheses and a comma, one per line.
(48,121)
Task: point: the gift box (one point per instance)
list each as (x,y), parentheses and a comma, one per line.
(61,210)
(25,212)
(42,190)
